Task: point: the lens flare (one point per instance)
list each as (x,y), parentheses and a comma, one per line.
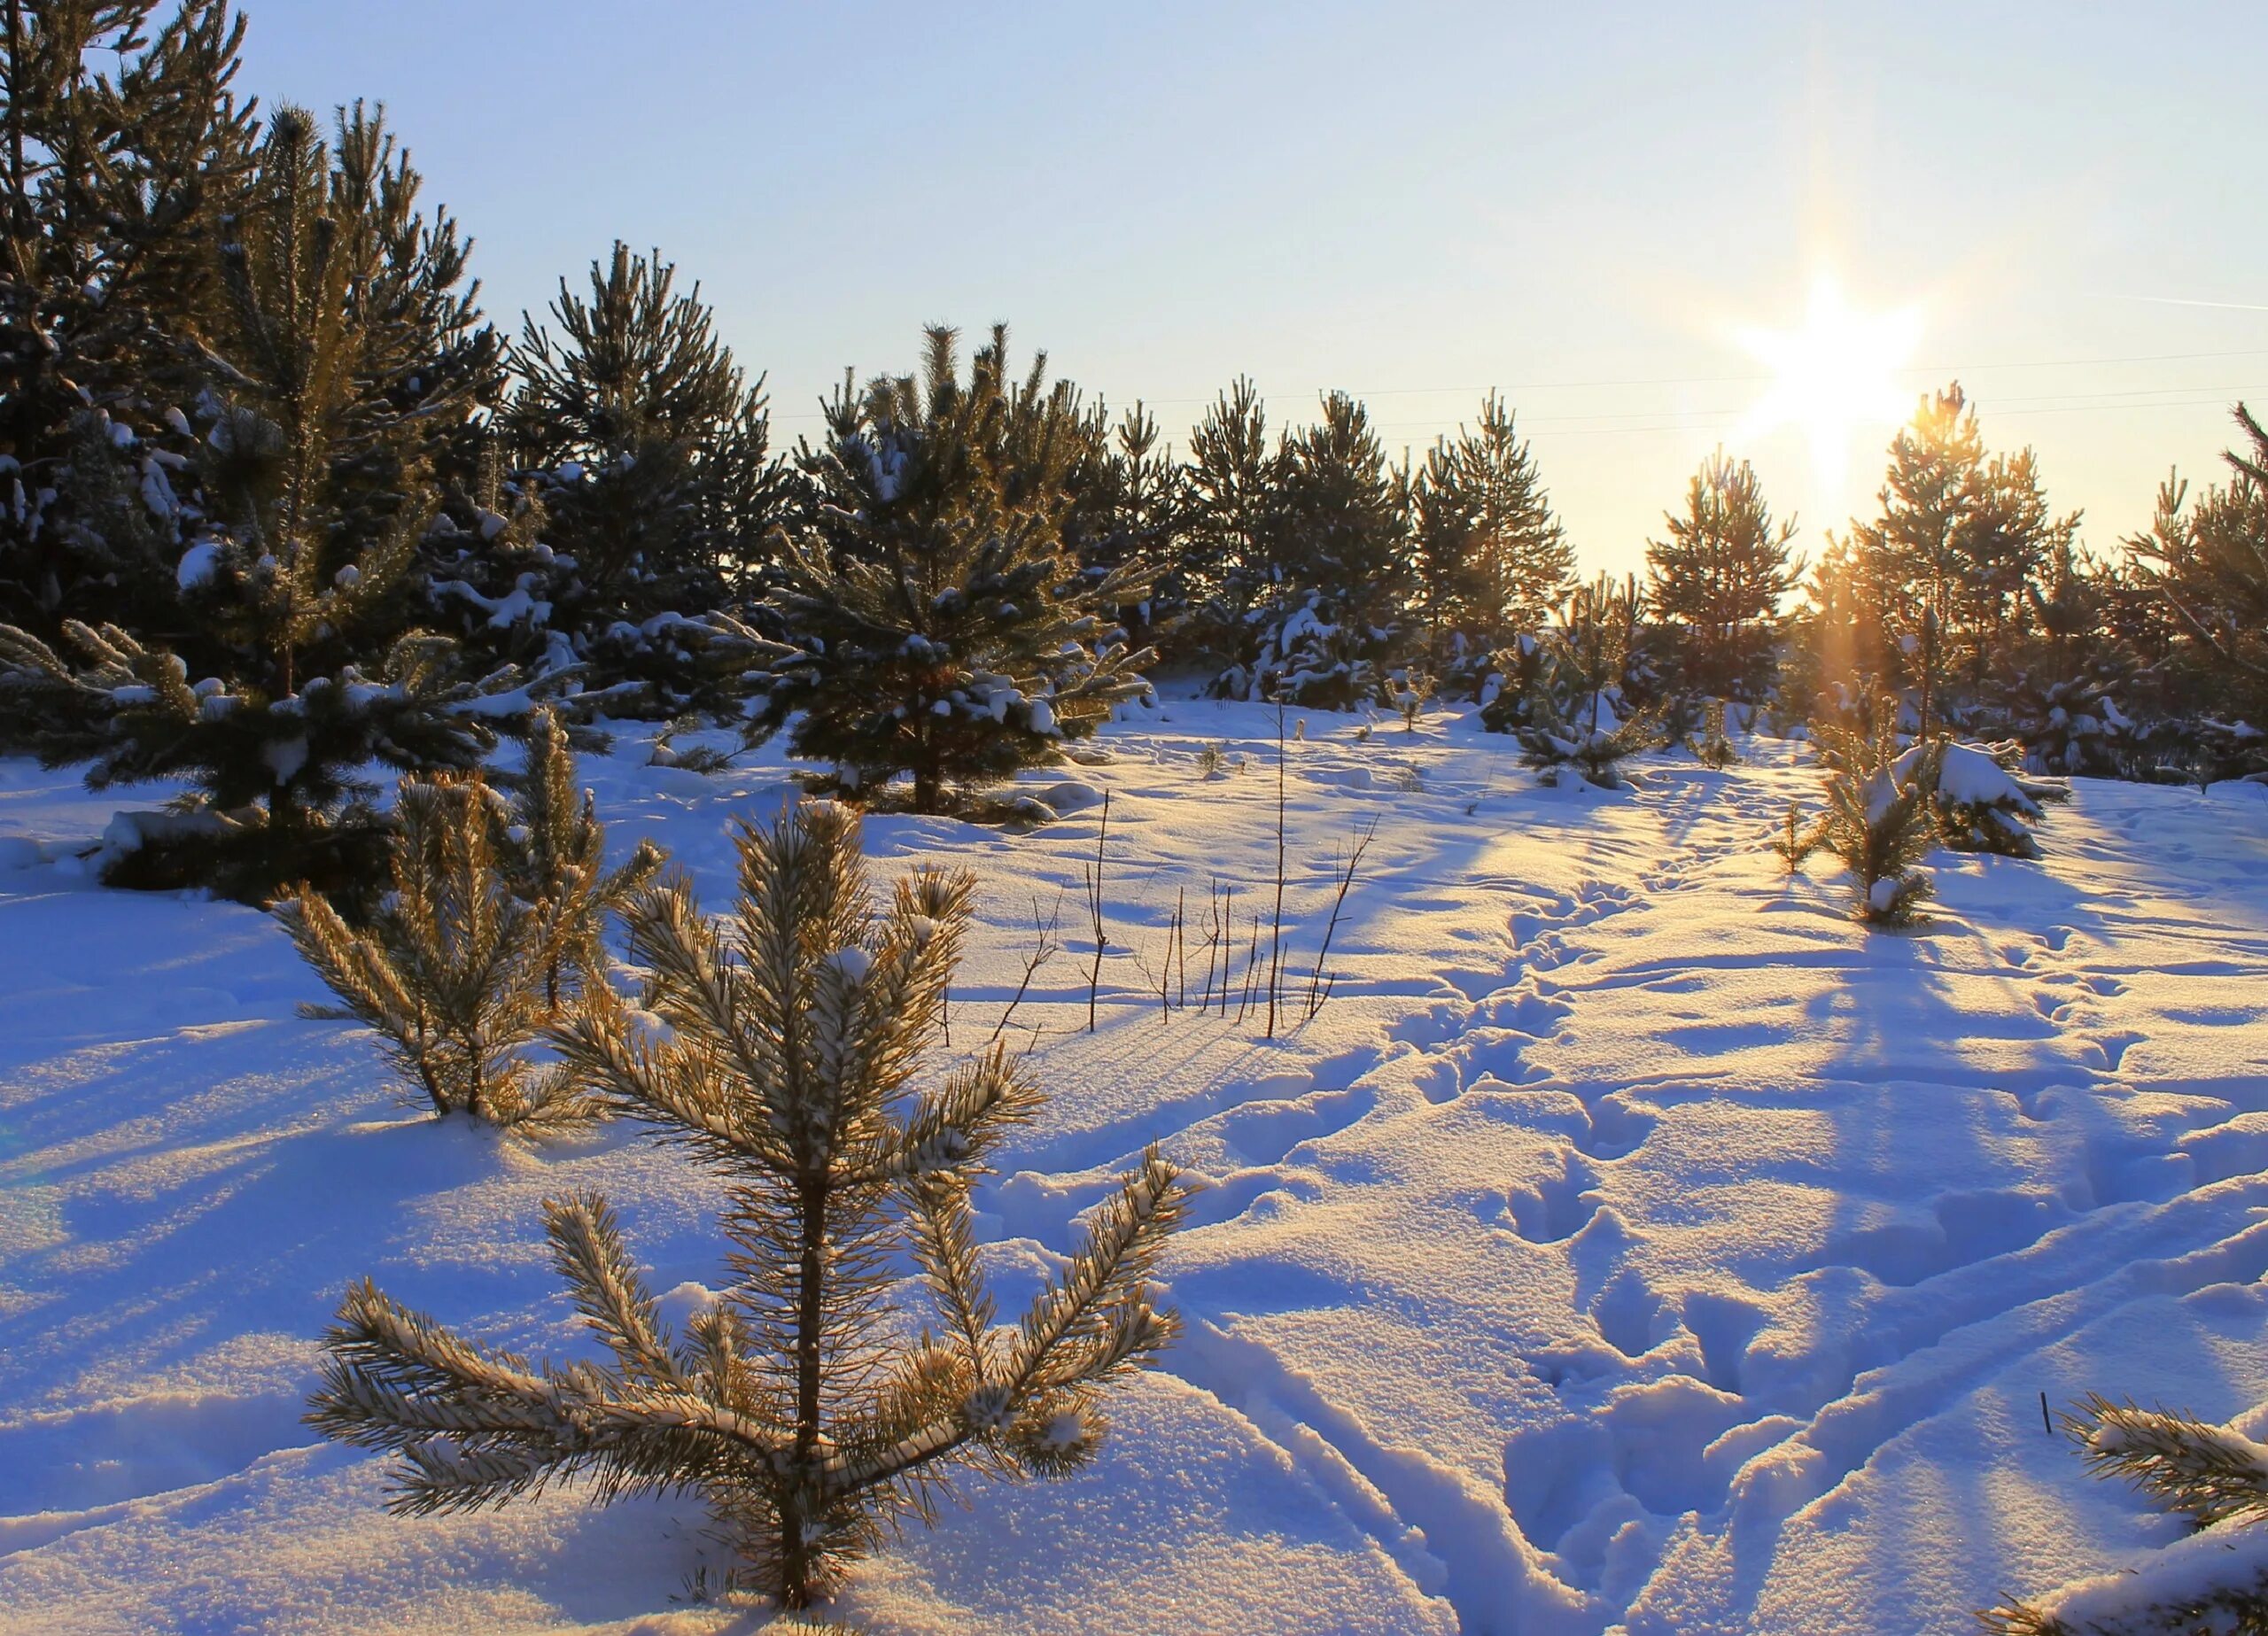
(1833,377)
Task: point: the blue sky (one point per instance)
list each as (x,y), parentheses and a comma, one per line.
(1413,202)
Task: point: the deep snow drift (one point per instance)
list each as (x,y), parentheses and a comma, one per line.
(1632,1241)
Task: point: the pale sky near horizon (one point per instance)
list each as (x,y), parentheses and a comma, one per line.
(1585,207)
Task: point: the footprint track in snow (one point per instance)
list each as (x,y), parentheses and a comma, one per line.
(1555,1206)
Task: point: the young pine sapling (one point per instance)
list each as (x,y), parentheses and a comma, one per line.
(493,924)
(1710,747)
(781,1050)
(1879,818)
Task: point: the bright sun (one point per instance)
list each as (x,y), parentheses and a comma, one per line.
(1833,377)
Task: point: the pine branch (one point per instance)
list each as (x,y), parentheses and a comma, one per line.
(2207,1473)
(587,1251)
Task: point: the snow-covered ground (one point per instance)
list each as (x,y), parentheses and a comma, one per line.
(1631,1242)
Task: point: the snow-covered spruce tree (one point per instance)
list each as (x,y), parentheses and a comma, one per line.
(1491,559)
(1880,820)
(2214,1582)
(1575,720)
(288,607)
(642,488)
(782,1052)
(1717,580)
(939,628)
(124,151)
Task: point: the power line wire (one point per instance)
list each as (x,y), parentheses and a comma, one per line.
(1603,383)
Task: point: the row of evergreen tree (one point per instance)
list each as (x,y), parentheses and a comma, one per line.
(281,501)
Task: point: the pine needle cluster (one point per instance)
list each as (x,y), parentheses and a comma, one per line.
(2211,1475)
(1881,819)
(491,925)
(780,1048)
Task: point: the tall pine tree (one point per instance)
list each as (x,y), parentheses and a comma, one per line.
(1337,608)
(1719,578)
(1492,561)
(641,489)
(352,364)
(639,396)
(1946,566)
(118,180)
(1131,507)
(1234,518)
(2210,560)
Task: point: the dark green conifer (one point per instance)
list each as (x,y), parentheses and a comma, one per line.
(941,628)
(123,151)
(1234,518)
(1336,613)
(1719,578)
(291,606)
(1492,561)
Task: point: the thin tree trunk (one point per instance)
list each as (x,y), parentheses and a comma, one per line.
(795,1548)
(1276,944)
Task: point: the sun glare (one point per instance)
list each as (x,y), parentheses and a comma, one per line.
(1833,378)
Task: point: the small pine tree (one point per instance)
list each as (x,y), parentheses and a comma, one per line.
(492,925)
(555,860)
(450,973)
(1794,843)
(1880,820)
(941,629)
(782,1055)
(2209,1474)
(1571,719)
(1410,690)
(1719,578)
(1710,746)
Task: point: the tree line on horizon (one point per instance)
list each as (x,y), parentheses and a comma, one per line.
(281,500)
